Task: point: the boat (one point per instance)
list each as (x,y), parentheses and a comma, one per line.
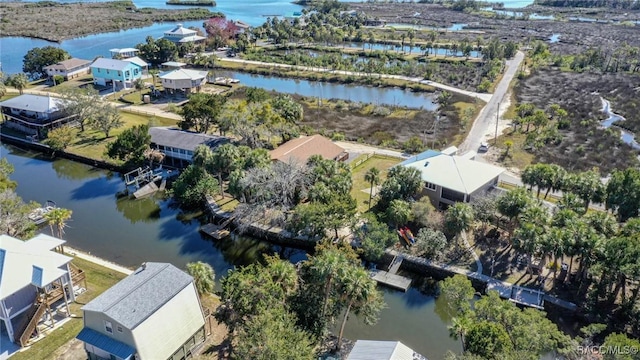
(38,215)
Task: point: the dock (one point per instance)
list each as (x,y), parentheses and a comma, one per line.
(150,188)
(215,231)
(518,294)
(390,278)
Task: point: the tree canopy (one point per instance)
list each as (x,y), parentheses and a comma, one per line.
(38,58)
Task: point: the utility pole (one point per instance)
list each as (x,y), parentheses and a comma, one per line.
(495,139)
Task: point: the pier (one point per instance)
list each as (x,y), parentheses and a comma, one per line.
(390,278)
(215,231)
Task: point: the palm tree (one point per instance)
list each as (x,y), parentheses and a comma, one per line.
(398,212)
(360,294)
(458,219)
(372,176)
(327,265)
(18,81)
(459,328)
(57,219)
(203,276)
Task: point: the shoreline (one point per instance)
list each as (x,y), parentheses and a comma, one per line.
(96,260)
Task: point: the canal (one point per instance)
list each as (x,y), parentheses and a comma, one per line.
(130,232)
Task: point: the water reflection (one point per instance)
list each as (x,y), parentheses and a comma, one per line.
(76,171)
(145,210)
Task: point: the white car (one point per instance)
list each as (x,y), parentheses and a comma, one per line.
(484,147)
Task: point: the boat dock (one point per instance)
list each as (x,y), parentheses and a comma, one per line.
(390,278)
(215,231)
(518,294)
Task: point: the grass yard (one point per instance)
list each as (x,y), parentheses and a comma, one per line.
(99,279)
(92,143)
(383,163)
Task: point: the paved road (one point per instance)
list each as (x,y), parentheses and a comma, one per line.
(483,97)
(486,121)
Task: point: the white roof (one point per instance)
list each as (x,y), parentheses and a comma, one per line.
(136,60)
(29,262)
(191,38)
(382,350)
(125,50)
(454,172)
(35,103)
(180,30)
(184,74)
(111,64)
(173,64)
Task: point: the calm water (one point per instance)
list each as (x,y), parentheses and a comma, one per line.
(366,94)
(130,232)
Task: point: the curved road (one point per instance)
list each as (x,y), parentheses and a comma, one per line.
(486,121)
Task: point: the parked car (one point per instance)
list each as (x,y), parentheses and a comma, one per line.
(484,147)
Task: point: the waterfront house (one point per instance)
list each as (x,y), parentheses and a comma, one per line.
(123,53)
(119,74)
(154,313)
(383,350)
(137,60)
(34,114)
(69,69)
(185,80)
(302,148)
(179,145)
(181,34)
(36,285)
(450,178)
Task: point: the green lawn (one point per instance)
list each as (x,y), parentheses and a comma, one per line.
(92,143)
(99,279)
(383,163)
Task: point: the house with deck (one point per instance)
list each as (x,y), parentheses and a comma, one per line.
(37,284)
(154,313)
(179,145)
(181,35)
(34,114)
(450,178)
(123,53)
(185,80)
(302,148)
(118,74)
(69,69)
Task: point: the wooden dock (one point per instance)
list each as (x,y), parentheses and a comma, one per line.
(215,231)
(389,278)
(150,188)
(392,280)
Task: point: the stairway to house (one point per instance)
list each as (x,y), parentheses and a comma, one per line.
(30,321)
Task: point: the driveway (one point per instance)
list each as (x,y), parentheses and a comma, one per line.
(486,121)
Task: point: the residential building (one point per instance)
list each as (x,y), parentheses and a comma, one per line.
(119,74)
(382,350)
(69,69)
(302,148)
(34,279)
(181,34)
(152,314)
(123,53)
(179,145)
(34,114)
(451,178)
(137,60)
(185,80)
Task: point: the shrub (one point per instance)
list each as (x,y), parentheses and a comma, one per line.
(380,111)
(58,79)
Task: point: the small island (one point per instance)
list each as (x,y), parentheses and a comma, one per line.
(192,2)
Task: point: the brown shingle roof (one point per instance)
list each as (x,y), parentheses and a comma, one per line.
(302,148)
(69,64)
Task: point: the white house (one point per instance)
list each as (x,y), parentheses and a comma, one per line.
(383,350)
(34,279)
(181,34)
(69,69)
(123,53)
(32,114)
(179,145)
(183,79)
(153,314)
(451,178)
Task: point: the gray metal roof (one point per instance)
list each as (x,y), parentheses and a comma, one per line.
(139,295)
(112,64)
(186,140)
(35,103)
(382,350)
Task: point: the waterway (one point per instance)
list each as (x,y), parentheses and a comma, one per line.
(626,136)
(130,232)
